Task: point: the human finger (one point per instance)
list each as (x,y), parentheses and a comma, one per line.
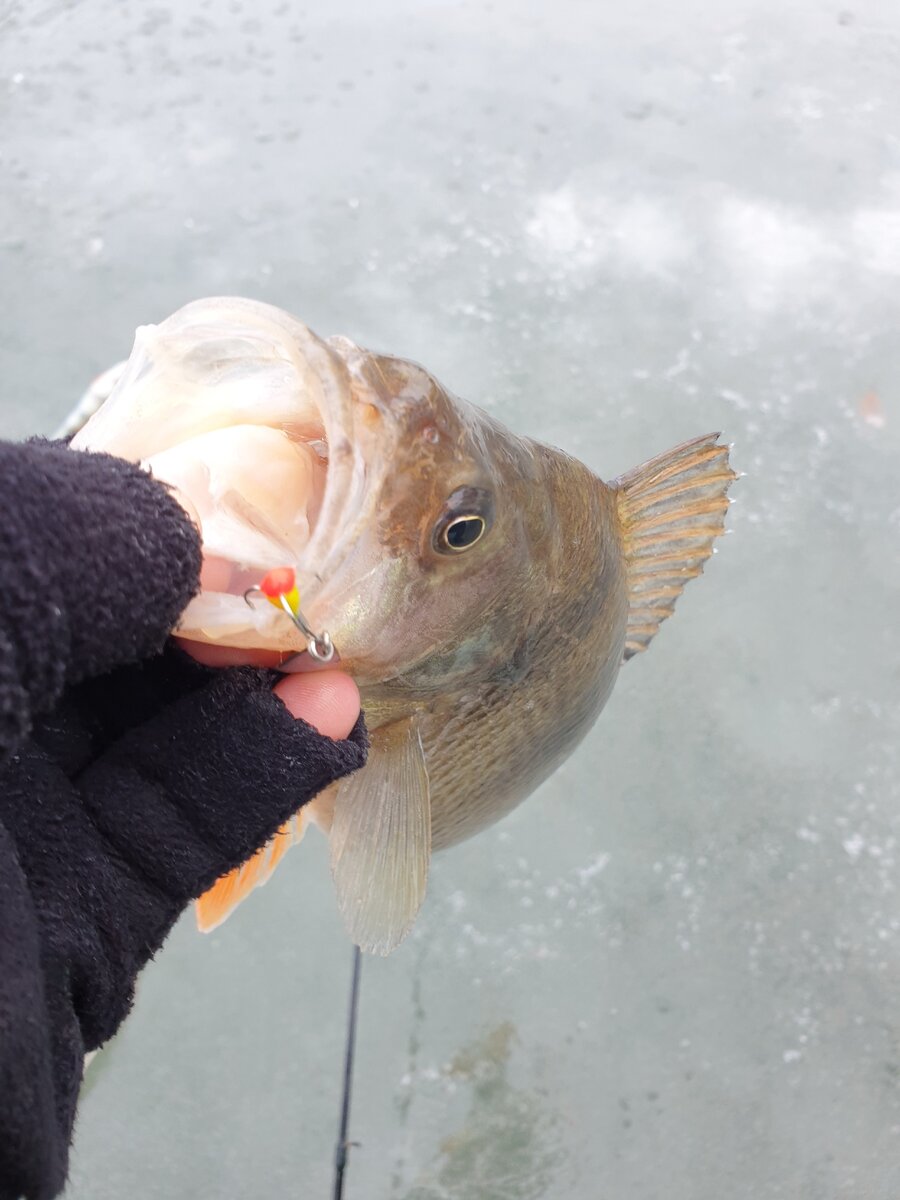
(327,700)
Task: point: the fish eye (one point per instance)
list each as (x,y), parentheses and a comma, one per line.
(465,520)
(462,533)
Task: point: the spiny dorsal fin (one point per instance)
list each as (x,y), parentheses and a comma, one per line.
(672,509)
(381,839)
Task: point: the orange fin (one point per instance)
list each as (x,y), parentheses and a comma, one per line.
(672,509)
(216,905)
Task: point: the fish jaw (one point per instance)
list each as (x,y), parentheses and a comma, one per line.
(216,401)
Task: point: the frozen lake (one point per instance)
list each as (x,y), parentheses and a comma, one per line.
(674,972)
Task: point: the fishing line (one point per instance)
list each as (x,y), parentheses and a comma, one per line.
(343,1145)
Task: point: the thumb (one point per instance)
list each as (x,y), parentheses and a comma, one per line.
(327,700)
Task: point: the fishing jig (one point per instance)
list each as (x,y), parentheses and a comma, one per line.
(279,587)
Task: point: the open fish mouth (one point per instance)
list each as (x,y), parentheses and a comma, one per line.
(253,419)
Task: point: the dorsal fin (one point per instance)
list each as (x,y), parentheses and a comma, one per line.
(672,509)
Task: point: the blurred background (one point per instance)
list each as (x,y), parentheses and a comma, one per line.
(675,970)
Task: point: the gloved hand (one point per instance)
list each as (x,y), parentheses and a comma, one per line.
(131,777)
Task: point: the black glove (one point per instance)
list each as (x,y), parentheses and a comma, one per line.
(122,795)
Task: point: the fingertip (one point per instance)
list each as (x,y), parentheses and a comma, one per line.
(327,700)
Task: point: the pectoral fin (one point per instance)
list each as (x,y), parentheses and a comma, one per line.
(671,509)
(217,904)
(381,839)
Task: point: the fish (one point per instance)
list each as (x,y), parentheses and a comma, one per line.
(482,589)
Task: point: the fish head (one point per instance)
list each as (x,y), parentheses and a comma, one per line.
(451,546)
(417,526)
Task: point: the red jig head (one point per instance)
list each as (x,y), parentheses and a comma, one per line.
(279,587)
(281,584)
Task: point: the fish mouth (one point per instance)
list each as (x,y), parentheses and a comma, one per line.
(324,432)
(277,448)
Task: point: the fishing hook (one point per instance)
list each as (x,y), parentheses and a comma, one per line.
(279,587)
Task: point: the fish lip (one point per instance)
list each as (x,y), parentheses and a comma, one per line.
(303,663)
(359,456)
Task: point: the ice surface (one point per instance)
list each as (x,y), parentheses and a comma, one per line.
(675,971)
